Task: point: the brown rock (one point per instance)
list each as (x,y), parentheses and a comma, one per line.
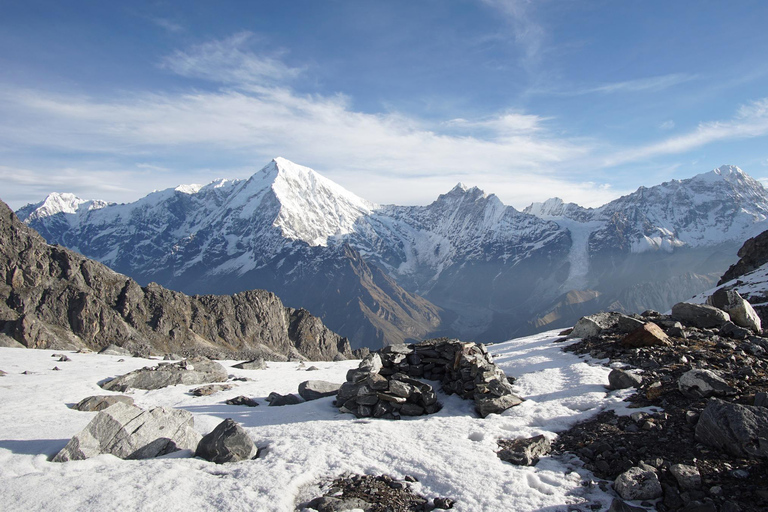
(648,335)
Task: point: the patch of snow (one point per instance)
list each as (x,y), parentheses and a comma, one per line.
(451,453)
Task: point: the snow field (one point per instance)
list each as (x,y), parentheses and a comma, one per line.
(451,453)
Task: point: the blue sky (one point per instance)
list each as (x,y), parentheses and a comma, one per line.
(397,100)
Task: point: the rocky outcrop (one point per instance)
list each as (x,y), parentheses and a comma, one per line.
(51,297)
(386,384)
(128,432)
(193,371)
(753,254)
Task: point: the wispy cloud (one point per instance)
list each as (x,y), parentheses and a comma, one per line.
(527,32)
(667,125)
(751,120)
(230,61)
(647,84)
(168,25)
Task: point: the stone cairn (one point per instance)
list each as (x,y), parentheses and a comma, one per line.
(386,385)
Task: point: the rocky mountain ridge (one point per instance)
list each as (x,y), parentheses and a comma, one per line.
(53,297)
(465,265)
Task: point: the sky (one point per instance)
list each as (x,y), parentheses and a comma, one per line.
(396,101)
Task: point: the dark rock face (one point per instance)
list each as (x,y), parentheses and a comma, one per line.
(129,432)
(228,442)
(51,297)
(740,430)
(193,371)
(753,254)
(385,384)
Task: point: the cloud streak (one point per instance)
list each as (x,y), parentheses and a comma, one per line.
(751,120)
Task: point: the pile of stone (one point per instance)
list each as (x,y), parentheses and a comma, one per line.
(386,384)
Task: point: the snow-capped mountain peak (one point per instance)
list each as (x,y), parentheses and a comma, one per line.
(312,207)
(56,203)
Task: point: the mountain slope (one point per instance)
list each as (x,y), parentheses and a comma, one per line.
(52,297)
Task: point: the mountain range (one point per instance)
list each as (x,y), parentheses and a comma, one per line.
(465,265)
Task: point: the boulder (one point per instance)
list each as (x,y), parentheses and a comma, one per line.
(128,432)
(688,477)
(702,316)
(621,379)
(314,389)
(254,364)
(703,384)
(228,442)
(496,404)
(593,325)
(638,484)
(740,430)
(524,452)
(278,400)
(627,324)
(99,403)
(242,400)
(647,335)
(618,505)
(190,371)
(741,312)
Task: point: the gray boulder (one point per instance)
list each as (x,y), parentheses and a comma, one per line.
(621,379)
(638,484)
(99,403)
(496,404)
(190,371)
(314,389)
(688,477)
(702,316)
(128,432)
(618,505)
(254,364)
(228,442)
(740,430)
(627,324)
(703,384)
(593,325)
(741,312)
(524,452)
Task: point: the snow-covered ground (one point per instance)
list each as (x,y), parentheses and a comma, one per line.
(451,453)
